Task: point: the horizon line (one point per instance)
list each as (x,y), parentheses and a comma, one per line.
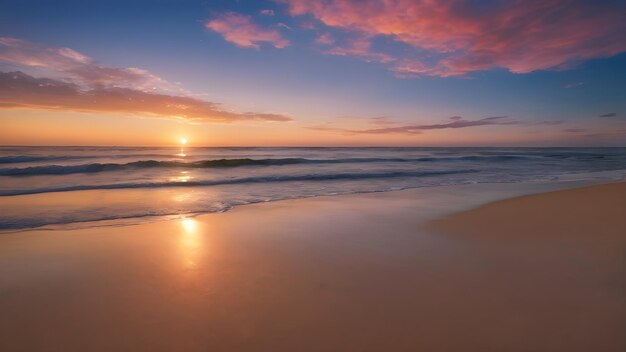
(286,146)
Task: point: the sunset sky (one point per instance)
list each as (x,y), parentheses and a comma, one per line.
(313,73)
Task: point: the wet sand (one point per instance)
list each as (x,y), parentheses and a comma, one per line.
(346,273)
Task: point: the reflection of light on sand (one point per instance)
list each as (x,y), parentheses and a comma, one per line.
(181,155)
(190,225)
(190,242)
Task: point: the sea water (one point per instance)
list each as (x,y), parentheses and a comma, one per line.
(42,186)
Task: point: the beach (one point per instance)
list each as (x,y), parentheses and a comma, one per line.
(392,271)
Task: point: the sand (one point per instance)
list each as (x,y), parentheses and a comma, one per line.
(594,215)
(346,273)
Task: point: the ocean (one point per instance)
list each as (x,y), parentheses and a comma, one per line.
(43,186)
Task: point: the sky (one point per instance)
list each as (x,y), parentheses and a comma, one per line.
(313,73)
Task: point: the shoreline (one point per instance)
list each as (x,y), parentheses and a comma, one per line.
(529,187)
(603,203)
(333,273)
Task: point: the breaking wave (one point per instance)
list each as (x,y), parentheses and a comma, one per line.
(227,163)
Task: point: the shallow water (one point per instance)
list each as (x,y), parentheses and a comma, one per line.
(63,185)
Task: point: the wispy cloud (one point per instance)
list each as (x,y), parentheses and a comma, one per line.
(77,82)
(618,133)
(283,25)
(454,123)
(325,39)
(382,121)
(573,85)
(458,37)
(360,47)
(545,123)
(79,67)
(610,114)
(20,90)
(267,12)
(242,31)
(376,120)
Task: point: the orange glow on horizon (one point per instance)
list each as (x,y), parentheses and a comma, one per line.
(75,129)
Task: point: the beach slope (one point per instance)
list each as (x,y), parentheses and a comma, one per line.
(346,273)
(591,214)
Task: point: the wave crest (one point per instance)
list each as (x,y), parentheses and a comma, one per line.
(254,179)
(225,163)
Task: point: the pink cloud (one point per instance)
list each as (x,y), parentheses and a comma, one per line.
(325,39)
(466,35)
(267,12)
(362,48)
(20,90)
(309,25)
(456,123)
(79,83)
(77,66)
(282,25)
(241,31)
(453,122)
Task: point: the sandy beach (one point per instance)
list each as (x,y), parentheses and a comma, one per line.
(365,272)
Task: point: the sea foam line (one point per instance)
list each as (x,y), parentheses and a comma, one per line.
(257,179)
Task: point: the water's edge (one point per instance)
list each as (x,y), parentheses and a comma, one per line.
(481,194)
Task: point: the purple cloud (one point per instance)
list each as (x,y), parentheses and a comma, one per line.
(79,67)
(457,122)
(243,32)
(19,90)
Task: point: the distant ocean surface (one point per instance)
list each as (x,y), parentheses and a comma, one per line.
(64,185)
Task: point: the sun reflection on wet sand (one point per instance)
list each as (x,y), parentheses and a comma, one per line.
(190,243)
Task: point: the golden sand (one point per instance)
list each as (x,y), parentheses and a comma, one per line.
(349,273)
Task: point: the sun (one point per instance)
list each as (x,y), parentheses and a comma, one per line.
(183,140)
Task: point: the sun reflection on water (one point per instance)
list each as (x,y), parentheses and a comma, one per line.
(183,177)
